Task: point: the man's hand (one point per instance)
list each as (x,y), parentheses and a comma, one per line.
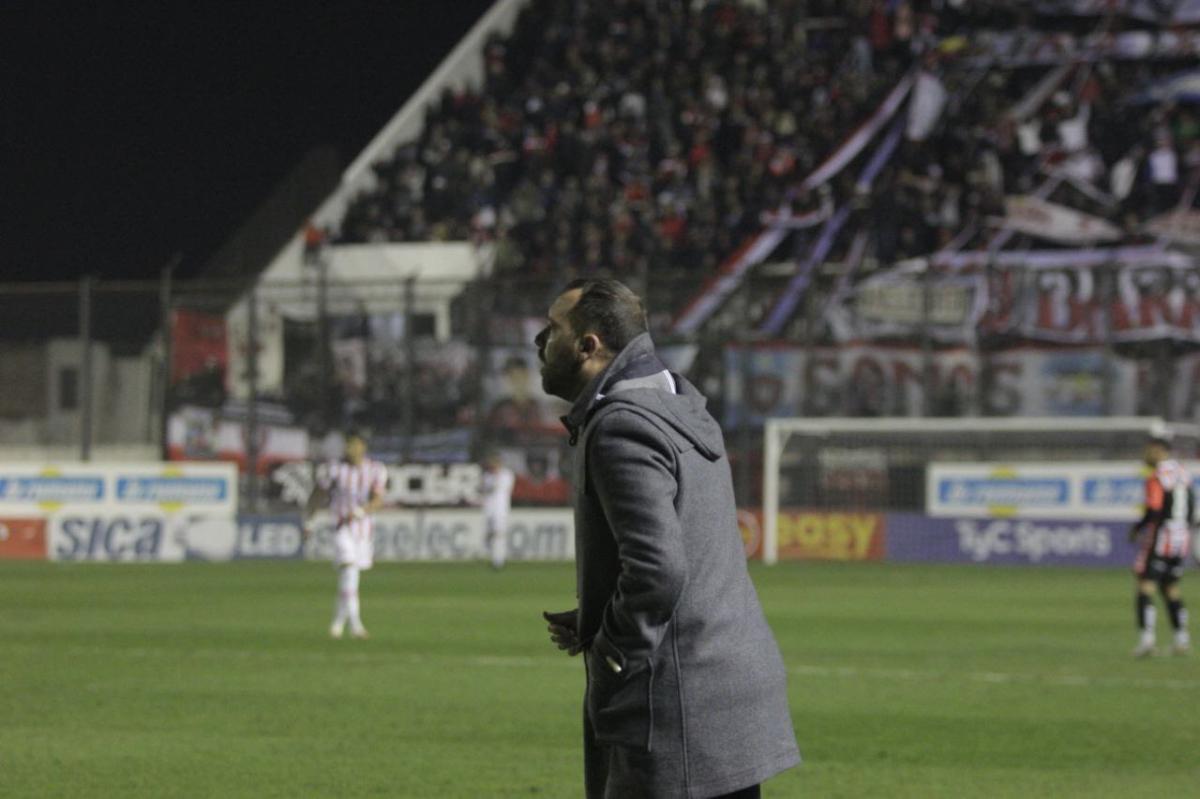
(1134,531)
(563,633)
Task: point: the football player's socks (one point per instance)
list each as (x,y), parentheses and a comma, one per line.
(350,594)
(1178,613)
(1146,615)
(347,588)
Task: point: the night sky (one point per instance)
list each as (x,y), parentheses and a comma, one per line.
(132,131)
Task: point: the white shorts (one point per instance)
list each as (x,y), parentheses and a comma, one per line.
(354,544)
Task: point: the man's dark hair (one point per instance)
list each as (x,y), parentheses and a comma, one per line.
(608,308)
(356,432)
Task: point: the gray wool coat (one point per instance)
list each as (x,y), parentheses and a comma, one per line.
(686,689)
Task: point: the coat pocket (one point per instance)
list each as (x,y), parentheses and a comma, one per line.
(620,705)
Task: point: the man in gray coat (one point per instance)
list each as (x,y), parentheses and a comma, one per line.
(686,689)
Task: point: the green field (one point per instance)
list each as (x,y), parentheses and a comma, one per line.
(214,680)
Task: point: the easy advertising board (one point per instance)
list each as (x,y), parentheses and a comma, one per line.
(1108,490)
(819,534)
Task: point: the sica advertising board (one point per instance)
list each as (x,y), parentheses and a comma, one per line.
(140,536)
(120,511)
(1106,491)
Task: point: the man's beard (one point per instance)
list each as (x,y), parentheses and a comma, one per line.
(560,377)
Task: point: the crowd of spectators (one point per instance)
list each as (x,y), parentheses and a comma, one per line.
(620,134)
(1087,147)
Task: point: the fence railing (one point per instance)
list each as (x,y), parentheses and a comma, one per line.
(271,374)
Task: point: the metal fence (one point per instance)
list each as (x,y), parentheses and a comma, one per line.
(270,374)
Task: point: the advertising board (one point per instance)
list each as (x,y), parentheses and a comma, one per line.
(415,535)
(22,539)
(40,490)
(915,537)
(819,534)
(450,535)
(1109,490)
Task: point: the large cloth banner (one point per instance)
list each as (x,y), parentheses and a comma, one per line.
(786,380)
(1068,297)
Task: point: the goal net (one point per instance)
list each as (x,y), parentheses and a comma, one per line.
(1067,467)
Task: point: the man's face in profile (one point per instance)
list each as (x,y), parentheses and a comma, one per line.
(558,352)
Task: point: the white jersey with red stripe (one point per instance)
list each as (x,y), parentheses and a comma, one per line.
(350,487)
(1169,490)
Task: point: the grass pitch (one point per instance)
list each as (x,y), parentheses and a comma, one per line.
(217,680)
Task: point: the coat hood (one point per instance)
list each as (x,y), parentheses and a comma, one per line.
(627,381)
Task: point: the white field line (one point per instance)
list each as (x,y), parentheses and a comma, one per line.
(994,677)
(343,652)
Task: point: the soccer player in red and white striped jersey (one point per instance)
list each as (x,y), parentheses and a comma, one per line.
(1164,536)
(353,488)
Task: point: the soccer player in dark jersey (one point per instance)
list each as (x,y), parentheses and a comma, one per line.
(1163,536)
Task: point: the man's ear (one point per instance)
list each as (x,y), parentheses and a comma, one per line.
(590,345)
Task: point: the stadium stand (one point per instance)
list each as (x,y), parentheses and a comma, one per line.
(620,135)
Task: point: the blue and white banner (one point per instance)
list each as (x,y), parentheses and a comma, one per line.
(1109,490)
(109,487)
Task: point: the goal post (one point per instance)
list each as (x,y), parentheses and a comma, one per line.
(881,464)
